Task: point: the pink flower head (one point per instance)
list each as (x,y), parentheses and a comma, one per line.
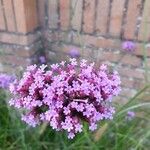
(66,95)
(128,46)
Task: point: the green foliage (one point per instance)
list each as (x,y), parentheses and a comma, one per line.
(118,134)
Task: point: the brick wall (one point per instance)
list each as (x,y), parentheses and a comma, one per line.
(96,28)
(19,37)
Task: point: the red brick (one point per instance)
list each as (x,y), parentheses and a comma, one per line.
(20,17)
(89,16)
(141,48)
(102,16)
(30,7)
(19,50)
(144,32)
(65,37)
(52,14)
(51,36)
(132,15)
(56,57)
(64,49)
(12,69)
(109,56)
(26,19)
(131,73)
(7,68)
(57,36)
(107,43)
(131,60)
(41,12)
(93,41)
(26,53)
(65,14)
(2,21)
(76,14)
(99,42)
(18,39)
(13,60)
(10,18)
(126,82)
(116,17)
(138,84)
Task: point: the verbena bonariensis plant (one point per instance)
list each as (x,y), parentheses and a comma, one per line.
(66,95)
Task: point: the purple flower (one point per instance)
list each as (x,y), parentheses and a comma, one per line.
(128,46)
(71,135)
(130,115)
(66,95)
(30,119)
(42,59)
(93,126)
(5,80)
(66,110)
(78,128)
(74,53)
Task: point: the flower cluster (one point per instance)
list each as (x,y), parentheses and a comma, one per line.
(66,95)
(5,80)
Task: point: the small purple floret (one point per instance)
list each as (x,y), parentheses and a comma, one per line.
(74,53)
(130,115)
(128,46)
(42,59)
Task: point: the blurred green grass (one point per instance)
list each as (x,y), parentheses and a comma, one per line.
(118,134)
